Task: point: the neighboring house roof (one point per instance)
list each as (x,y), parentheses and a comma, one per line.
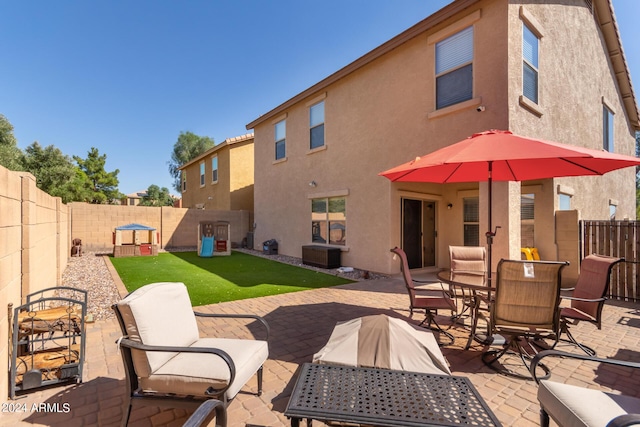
(137,194)
(225,143)
(609,28)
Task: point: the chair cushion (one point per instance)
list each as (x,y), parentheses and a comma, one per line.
(435,301)
(158,314)
(194,373)
(467,258)
(573,406)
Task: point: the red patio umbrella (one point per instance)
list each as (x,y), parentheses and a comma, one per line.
(498,155)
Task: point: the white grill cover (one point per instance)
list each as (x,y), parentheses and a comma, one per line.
(381,341)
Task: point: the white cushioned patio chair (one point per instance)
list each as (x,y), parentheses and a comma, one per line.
(168,362)
(575,406)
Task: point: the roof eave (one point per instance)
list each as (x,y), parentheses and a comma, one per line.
(431,21)
(611,33)
(226,142)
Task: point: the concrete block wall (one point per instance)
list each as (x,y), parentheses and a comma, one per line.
(95,224)
(34,243)
(177,227)
(568,244)
(36,232)
(180,226)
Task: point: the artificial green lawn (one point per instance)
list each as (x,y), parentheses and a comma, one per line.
(221,278)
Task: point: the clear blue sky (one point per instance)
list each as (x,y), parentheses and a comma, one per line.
(128,76)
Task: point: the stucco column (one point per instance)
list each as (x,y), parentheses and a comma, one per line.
(506,215)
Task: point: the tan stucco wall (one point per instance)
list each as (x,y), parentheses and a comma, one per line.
(234,188)
(241,176)
(34,247)
(575,78)
(382,115)
(377,118)
(36,231)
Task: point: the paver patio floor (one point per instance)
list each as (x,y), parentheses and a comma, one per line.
(301,323)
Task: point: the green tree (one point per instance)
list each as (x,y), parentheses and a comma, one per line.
(187,147)
(10,154)
(103,185)
(157,196)
(55,173)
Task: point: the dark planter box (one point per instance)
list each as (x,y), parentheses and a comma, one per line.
(321,256)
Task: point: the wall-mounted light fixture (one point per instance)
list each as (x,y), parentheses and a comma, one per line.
(449,206)
(312,184)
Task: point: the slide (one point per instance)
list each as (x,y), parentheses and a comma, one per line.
(206,249)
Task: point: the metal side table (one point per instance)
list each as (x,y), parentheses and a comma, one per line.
(381,397)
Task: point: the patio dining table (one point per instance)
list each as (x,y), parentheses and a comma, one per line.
(478,284)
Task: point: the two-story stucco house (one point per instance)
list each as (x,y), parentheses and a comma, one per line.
(221,178)
(545,69)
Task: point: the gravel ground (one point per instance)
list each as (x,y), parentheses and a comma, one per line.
(89,272)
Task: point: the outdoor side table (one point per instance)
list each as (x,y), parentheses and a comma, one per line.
(385,398)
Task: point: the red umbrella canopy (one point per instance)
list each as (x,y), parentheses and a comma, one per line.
(513,158)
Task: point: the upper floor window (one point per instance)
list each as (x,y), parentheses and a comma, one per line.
(281,137)
(607,128)
(214,169)
(202,174)
(184,180)
(316,125)
(454,69)
(530,43)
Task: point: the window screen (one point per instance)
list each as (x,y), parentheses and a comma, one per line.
(529,64)
(316,125)
(454,69)
(471,219)
(281,135)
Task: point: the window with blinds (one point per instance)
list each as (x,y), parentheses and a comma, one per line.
(471,221)
(529,64)
(316,125)
(527,220)
(214,169)
(281,139)
(454,69)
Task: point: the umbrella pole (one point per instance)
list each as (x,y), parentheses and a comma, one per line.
(490,234)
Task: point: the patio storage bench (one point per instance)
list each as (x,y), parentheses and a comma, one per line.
(321,256)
